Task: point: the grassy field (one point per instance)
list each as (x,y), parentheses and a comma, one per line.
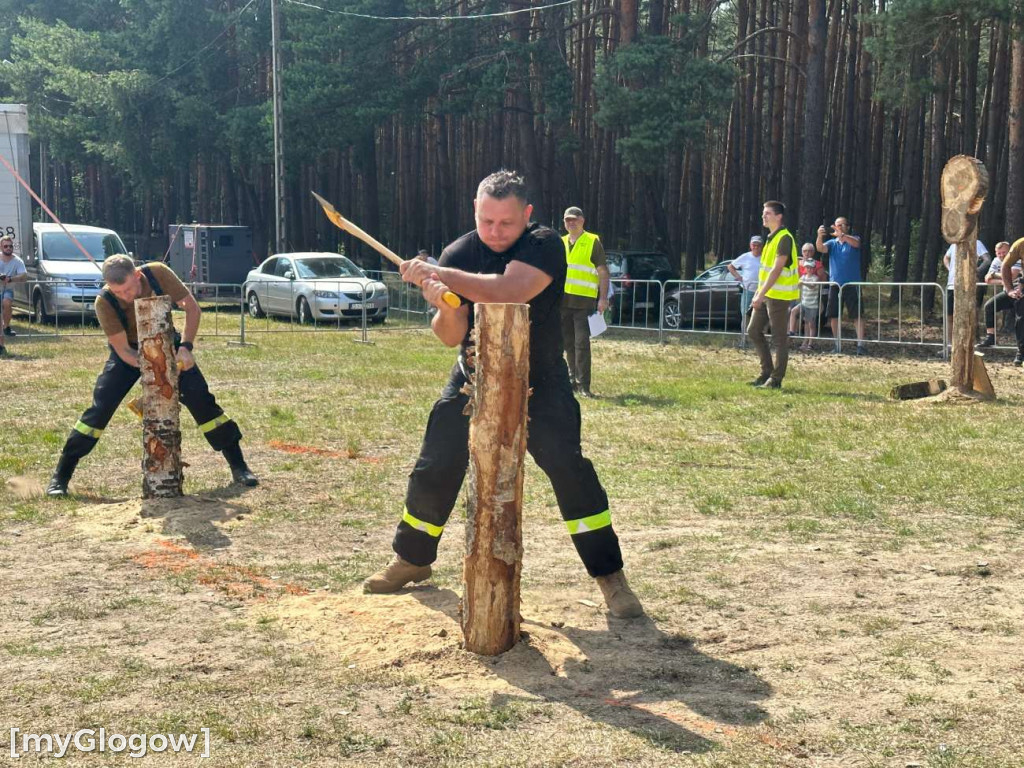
(831,578)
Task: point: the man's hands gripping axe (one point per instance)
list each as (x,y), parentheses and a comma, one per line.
(413,271)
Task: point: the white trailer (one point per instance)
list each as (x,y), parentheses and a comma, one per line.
(15,206)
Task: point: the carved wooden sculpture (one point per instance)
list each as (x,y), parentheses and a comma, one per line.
(964,186)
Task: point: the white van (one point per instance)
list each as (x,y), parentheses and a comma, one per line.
(61,280)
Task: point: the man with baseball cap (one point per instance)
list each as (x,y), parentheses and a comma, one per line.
(745,268)
(586,292)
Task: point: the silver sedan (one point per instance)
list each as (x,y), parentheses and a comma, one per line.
(316,287)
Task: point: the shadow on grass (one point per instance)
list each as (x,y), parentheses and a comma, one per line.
(195,518)
(631,676)
(632,400)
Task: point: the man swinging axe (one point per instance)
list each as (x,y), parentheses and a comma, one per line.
(115,310)
(506,259)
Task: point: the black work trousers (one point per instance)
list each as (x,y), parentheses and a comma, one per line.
(114,383)
(553,441)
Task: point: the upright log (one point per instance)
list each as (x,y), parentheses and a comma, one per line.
(964,186)
(161,433)
(497,445)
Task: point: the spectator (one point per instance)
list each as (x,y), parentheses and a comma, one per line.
(423,255)
(586,292)
(777,286)
(1015,291)
(12,270)
(1001,301)
(812,274)
(745,268)
(844,266)
(950,263)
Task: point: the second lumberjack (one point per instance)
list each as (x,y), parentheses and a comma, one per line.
(115,310)
(505,260)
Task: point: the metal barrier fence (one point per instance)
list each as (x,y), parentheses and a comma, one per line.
(894,313)
(57,308)
(891,323)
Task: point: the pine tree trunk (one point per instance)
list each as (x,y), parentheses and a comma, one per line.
(497,447)
(1015,175)
(811,210)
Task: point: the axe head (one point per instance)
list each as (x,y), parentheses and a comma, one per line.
(335,217)
(326,206)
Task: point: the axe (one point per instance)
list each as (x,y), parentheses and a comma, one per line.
(347,226)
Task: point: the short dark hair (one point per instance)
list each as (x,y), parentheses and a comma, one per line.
(776,207)
(502,184)
(118,268)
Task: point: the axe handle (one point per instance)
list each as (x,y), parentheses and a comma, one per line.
(449,298)
(371,241)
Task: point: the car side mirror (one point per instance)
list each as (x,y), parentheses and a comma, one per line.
(289,275)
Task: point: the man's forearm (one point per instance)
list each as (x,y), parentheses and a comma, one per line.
(477,288)
(602,287)
(1006,274)
(481,289)
(192,317)
(772,278)
(450,326)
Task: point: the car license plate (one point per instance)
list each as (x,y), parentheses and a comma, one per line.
(355,306)
(644,304)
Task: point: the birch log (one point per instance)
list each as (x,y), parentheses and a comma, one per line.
(161,432)
(497,445)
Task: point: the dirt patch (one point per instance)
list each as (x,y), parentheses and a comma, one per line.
(233,580)
(571,653)
(204,522)
(311,450)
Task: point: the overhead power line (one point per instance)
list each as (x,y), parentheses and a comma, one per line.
(470,17)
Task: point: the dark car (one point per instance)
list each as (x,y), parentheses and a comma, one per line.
(711,299)
(636,301)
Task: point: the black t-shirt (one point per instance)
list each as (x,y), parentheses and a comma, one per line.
(540,247)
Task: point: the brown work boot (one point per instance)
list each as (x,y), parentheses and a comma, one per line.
(396,575)
(619,598)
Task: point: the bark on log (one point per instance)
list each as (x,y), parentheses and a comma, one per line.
(964,186)
(497,444)
(161,432)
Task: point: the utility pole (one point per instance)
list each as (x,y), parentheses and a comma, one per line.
(279,196)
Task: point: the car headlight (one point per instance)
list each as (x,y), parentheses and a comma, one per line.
(325,294)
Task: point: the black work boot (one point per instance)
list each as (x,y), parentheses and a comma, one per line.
(240,471)
(62,476)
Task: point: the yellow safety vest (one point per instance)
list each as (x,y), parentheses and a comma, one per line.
(581,276)
(787,287)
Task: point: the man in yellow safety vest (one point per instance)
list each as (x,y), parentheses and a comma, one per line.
(778,285)
(586,292)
